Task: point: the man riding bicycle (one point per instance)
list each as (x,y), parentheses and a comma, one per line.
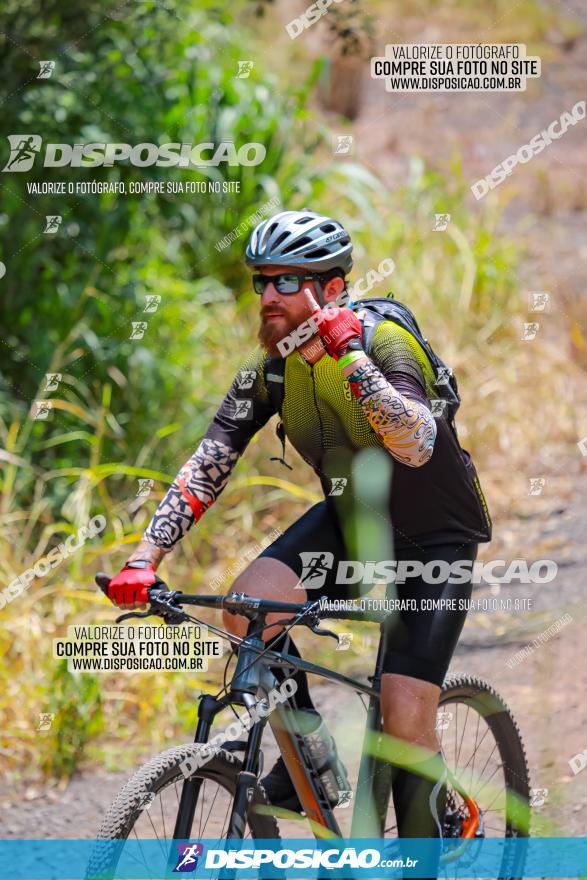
(338,400)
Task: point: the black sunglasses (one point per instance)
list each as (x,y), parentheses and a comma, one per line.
(285,282)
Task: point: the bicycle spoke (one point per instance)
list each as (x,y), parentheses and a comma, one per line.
(487,762)
(477,793)
(225,823)
(141,851)
(475,751)
(209,811)
(202,799)
(490,808)
(487,730)
(162,817)
(456,728)
(154,830)
(463,733)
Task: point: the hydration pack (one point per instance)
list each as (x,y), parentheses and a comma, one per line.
(378,309)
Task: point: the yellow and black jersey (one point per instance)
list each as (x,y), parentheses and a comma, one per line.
(435,503)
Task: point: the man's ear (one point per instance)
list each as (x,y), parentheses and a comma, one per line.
(333,289)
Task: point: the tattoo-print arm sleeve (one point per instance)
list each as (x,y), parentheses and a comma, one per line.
(405,426)
(392,389)
(244,410)
(196,487)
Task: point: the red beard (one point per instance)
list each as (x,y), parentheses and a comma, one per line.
(273,331)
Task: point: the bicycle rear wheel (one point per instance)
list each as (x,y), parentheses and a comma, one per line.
(489,784)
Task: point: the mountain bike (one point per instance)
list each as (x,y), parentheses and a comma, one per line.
(220,796)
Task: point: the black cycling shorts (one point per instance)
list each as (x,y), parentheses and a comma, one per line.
(421,642)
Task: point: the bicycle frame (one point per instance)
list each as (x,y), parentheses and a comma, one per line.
(253,673)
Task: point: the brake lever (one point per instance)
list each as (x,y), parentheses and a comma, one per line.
(323,632)
(170,613)
(130,614)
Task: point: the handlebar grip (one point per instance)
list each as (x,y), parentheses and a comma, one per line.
(103,581)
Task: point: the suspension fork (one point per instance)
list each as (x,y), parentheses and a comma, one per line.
(247,778)
(190,790)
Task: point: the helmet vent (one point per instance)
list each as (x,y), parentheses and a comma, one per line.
(328,227)
(303,220)
(300,242)
(268,232)
(282,237)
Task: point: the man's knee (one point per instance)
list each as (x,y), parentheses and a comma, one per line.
(409,708)
(265,578)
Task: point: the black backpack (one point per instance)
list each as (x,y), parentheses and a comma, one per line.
(378,309)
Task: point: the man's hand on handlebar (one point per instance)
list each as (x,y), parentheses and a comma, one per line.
(129,588)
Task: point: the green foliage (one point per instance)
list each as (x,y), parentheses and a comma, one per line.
(77,705)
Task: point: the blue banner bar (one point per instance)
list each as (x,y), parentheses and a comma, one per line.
(291,859)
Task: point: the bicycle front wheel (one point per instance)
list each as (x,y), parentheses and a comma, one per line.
(147,807)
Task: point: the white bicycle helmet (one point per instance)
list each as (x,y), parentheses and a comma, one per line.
(301,239)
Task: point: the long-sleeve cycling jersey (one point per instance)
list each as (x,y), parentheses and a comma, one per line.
(434,497)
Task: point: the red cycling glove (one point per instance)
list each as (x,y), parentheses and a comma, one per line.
(337,328)
(130,584)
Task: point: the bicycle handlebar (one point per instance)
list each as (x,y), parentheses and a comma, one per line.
(240,603)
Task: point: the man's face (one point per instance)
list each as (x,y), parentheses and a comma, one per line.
(282,313)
